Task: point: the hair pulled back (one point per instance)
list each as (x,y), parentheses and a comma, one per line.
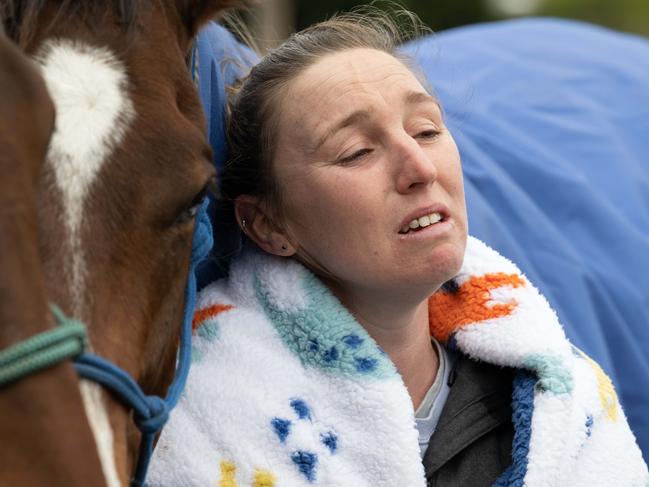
(251,122)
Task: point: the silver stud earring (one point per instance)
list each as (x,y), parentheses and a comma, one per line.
(243,223)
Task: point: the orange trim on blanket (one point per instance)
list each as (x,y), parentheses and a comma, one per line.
(470,304)
(209,312)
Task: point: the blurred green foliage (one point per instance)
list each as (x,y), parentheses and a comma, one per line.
(625,15)
(436,14)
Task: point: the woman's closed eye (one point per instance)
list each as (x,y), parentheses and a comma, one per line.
(428,134)
(354,156)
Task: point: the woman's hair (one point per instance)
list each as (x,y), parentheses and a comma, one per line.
(256,99)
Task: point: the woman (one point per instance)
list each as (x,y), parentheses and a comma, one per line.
(361,339)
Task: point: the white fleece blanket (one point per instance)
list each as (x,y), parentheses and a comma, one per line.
(287,389)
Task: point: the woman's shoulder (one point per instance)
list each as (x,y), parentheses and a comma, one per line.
(566,413)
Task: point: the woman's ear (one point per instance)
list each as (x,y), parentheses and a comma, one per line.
(255,221)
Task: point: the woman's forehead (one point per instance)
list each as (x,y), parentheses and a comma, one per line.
(352,67)
(343,83)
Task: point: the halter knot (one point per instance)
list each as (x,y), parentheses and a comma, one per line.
(158,415)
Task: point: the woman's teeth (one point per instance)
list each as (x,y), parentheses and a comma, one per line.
(422,222)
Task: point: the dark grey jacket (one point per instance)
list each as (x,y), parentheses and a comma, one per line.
(471,446)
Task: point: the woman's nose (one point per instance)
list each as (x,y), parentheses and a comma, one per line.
(415,167)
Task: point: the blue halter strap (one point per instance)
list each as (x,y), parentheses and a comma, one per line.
(151,412)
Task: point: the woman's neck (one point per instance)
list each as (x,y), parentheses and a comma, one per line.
(401,329)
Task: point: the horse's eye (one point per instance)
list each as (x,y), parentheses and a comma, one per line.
(190,213)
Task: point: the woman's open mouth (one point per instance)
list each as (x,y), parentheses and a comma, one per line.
(422,222)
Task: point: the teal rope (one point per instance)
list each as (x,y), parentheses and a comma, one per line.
(65,341)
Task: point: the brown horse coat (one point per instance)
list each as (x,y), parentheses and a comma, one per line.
(99,221)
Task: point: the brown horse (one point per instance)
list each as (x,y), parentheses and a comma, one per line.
(33,427)
(103,226)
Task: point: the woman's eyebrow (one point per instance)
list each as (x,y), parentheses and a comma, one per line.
(411,98)
(416,97)
(352,119)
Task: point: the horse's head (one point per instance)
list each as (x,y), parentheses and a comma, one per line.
(127,167)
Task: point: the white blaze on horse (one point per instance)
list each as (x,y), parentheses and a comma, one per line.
(105,218)
(89,87)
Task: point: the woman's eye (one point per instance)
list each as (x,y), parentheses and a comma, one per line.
(353,157)
(427,134)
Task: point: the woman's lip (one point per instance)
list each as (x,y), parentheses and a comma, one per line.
(431,231)
(435,208)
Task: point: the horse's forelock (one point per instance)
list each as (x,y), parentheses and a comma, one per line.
(20,17)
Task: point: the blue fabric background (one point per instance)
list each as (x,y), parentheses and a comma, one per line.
(552,121)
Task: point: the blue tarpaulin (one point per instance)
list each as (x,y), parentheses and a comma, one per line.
(552,121)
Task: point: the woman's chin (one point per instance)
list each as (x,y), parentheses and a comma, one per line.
(443,263)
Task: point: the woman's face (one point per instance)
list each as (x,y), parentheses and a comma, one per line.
(362,156)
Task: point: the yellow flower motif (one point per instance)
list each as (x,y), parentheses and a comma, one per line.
(228,475)
(607,395)
(262,478)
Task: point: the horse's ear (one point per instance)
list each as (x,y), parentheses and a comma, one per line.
(195,13)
